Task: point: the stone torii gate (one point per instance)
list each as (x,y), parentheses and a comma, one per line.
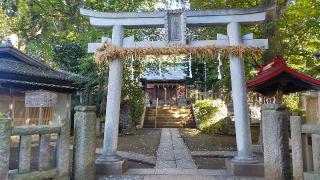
(175,22)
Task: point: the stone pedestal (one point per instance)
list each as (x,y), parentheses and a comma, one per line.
(247,169)
(276,142)
(85,142)
(113,164)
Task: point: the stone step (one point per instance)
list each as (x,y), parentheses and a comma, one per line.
(169,113)
(161,118)
(168,121)
(169,116)
(170,125)
(170,107)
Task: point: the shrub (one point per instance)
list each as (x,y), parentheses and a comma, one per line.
(210,114)
(292,102)
(2,115)
(135,96)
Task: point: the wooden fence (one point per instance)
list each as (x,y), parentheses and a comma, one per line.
(305,141)
(60,169)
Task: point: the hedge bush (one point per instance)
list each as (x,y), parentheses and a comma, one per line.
(135,96)
(210,115)
(2,115)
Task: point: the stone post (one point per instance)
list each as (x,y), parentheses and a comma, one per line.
(84,142)
(239,97)
(307,153)
(5,134)
(296,144)
(275,142)
(316,152)
(98,127)
(109,162)
(44,148)
(62,149)
(25,154)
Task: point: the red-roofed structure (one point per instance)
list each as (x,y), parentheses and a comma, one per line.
(278,77)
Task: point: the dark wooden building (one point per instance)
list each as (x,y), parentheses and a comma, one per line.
(31,92)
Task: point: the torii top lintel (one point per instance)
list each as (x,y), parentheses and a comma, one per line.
(190,17)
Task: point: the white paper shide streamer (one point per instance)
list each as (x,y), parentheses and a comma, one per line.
(219,66)
(190,70)
(132,70)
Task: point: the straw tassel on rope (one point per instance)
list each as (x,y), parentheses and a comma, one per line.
(108,52)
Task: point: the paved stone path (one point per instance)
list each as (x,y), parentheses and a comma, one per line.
(172,152)
(175,174)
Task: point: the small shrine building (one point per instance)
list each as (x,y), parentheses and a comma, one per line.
(276,77)
(31,92)
(168,86)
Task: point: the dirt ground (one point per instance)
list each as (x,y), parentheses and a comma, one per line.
(196,140)
(143,141)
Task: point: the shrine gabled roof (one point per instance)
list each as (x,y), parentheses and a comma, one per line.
(19,69)
(174,72)
(277,76)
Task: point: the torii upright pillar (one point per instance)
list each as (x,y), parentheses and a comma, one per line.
(239,97)
(109,162)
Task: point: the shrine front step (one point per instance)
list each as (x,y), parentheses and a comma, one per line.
(169,126)
(169,117)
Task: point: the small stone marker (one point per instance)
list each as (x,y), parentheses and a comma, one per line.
(276,142)
(85,142)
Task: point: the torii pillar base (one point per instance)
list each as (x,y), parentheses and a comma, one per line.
(245,168)
(109,165)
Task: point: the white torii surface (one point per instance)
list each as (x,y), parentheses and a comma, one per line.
(176,23)
(193,18)
(222,40)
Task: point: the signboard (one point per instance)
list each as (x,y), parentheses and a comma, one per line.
(40,99)
(150,86)
(176,27)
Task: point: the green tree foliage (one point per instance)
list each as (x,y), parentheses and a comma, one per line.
(210,114)
(68,55)
(300,35)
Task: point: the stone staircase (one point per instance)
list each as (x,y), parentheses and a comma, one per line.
(169,117)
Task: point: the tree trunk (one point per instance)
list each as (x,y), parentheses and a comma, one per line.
(271,29)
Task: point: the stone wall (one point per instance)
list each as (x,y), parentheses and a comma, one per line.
(311,106)
(63,108)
